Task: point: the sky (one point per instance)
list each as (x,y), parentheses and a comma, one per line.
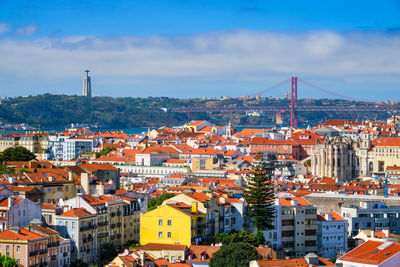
(202,48)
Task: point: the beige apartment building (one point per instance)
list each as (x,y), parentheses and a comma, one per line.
(298,226)
(28,248)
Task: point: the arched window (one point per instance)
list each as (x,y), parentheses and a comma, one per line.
(371,166)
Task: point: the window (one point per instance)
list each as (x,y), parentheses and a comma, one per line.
(169,223)
(169,235)
(7,250)
(18,261)
(160,222)
(66,224)
(73,225)
(159,234)
(18,248)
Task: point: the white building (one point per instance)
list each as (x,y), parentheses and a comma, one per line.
(331,235)
(18,212)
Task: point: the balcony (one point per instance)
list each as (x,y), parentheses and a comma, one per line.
(34,253)
(65,254)
(101,235)
(53,257)
(54,244)
(102,224)
(43,251)
(112,214)
(118,236)
(118,224)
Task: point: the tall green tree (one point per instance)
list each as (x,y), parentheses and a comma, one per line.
(260,195)
(7,261)
(155,202)
(17,153)
(241,236)
(234,255)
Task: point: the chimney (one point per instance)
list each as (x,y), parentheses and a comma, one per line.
(328,217)
(312,259)
(293,202)
(10,201)
(70,176)
(11,180)
(277,202)
(194,207)
(372,234)
(386,232)
(223,200)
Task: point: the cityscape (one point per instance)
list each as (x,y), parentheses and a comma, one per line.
(199,133)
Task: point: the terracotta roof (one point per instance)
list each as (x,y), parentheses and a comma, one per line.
(49,206)
(266,141)
(20,188)
(335,217)
(77,212)
(178,161)
(386,142)
(4,202)
(292,263)
(196,253)
(24,235)
(287,201)
(201,197)
(95,167)
(372,252)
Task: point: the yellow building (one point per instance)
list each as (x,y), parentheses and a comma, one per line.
(205,164)
(176,223)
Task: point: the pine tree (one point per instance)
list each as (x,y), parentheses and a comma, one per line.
(260,195)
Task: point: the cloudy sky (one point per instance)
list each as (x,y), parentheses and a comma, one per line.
(211,48)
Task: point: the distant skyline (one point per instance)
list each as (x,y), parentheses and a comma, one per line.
(199,48)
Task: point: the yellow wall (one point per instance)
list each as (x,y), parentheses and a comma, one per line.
(180,226)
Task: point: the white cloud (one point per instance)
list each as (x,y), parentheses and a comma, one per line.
(26,31)
(4,27)
(206,56)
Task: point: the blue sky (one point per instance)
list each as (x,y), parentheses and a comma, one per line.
(200,48)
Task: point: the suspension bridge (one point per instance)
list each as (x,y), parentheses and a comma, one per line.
(294,108)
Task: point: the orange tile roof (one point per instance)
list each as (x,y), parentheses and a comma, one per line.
(77,212)
(266,141)
(24,235)
(292,263)
(49,206)
(287,201)
(335,217)
(201,197)
(20,188)
(197,251)
(370,253)
(386,142)
(95,167)
(4,202)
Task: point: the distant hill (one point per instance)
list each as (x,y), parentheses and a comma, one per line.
(58,111)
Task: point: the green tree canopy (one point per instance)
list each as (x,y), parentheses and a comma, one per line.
(108,252)
(105,151)
(260,195)
(241,236)
(79,263)
(17,153)
(155,202)
(7,261)
(234,255)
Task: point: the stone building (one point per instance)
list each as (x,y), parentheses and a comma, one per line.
(335,158)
